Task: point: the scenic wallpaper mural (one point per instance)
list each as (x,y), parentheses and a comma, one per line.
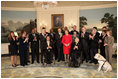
(99,18)
(16,21)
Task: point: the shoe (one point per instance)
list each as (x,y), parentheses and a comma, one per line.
(13,65)
(86,61)
(16,65)
(95,63)
(58,60)
(90,62)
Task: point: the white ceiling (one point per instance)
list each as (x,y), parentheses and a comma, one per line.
(29,4)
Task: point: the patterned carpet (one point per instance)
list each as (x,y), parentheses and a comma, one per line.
(57,70)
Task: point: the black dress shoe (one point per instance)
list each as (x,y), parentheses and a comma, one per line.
(86,61)
(90,62)
(58,60)
(95,62)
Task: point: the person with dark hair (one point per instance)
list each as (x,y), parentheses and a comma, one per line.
(52,37)
(74,30)
(13,48)
(75,54)
(101,41)
(104,28)
(23,40)
(58,39)
(66,41)
(93,45)
(47,47)
(42,38)
(34,39)
(84,39)
(108,43)
(97,33)
(74,36)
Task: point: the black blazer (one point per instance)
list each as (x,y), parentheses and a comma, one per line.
(42,40)
(84,40)
(13,45)
(52,36)
(31,39)
(45,45)
(76,50)
(94,42)
(58,40)
(73,32)
(22,45)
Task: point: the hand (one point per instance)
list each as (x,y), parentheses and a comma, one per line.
(82,34)
(105,44)
(17,38)
(14,38)
(50,47)
(76,47)
(100,41)
(61,35)
(90,36)
(34,38)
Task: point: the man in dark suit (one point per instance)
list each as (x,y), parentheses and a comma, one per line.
(74,30)
(42,37)
(93,45)
(97,33)
(84,37)
(59,44)
(34,39)
(48,49)
(52,37)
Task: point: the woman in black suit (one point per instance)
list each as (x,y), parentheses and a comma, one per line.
(23,42)
(101,41)
(48,49)
(13,48)
(75,53)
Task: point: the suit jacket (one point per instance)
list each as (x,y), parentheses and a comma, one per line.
(42,40)
(45,45)
(33,42)
(102,43)
(94,42)
(58,40)
(109,41)
(22,45)
(52,36)
(73,32)
(78,45)
(13,45)
(84,40)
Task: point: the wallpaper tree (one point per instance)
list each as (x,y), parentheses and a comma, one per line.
(111,22)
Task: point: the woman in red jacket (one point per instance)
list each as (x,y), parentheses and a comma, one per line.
(66,40)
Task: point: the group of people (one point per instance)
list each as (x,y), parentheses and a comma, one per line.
(72,47)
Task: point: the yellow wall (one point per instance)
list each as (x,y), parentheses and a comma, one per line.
(71,16)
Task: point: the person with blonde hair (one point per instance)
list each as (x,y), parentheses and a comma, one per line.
(108,43)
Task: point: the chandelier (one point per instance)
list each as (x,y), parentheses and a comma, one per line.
(45,4)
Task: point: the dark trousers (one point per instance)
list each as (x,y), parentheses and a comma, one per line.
(85,55)
(55,52)
(60,53)
(42,56)
(35,53)
(102,51)
(23,57)
(93,51)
